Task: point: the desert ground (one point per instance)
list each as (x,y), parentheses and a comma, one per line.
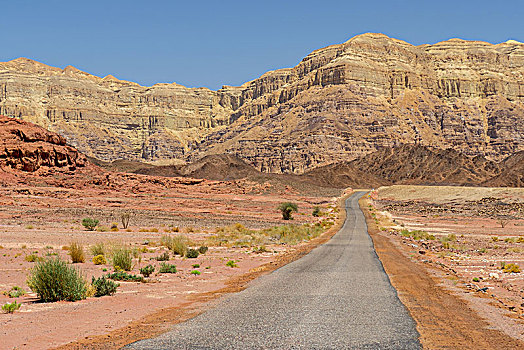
(38,222)
(471,239)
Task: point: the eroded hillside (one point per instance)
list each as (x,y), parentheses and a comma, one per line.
(338,103)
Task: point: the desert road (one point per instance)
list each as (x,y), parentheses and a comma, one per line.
(336,297)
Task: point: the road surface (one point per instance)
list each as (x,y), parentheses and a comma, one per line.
(336,297)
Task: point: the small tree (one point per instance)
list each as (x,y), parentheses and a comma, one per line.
(125,220)
(316,212)
(287,208)
(90,224)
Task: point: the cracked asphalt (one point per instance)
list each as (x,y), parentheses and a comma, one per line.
(336,297)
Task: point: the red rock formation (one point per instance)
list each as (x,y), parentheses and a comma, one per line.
(28,147)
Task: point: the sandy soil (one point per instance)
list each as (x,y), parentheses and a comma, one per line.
(40,220)
(468,247)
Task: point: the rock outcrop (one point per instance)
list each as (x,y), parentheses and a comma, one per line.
(338,103)
(27,147)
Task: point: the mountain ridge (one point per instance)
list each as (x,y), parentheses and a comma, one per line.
(341,101)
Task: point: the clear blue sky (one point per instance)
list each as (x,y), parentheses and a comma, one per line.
(212,43)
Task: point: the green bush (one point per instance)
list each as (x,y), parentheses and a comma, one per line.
(104,286)
(9,308)
(192,254)
(122,259)
(167,268)
(33,258)
(417,235)
(99,260)
(76,251)
(98,249)
(476,279)
(177,243)
(147,270)
(124,276)
(195,266)
(316,212)
(54,280)
(89,223)
(287,208)
(231,263)
(15,292)
(195,272)
(203,249)
(162,257)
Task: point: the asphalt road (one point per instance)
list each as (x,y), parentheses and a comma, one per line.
(336,297)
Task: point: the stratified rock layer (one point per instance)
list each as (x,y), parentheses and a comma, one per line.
(338,103)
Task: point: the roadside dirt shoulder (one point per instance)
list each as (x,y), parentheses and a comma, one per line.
(444,320)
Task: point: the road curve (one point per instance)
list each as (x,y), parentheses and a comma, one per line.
(336,297)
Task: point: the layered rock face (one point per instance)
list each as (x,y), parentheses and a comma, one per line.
(373,91)
(27,147)
(109,118)
(338,103)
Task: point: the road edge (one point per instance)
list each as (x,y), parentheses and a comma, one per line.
(443,319)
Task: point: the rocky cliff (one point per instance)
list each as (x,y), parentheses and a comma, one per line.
(27,147)
(338,103)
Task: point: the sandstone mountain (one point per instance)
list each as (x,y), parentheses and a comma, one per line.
(337,104)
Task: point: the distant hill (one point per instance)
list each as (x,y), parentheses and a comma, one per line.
(404,164)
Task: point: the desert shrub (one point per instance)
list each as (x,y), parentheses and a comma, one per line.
(29,227)
(15,292)
(195,272)
(99,260)
(76,251)
(102,229)
(261,249)
(495,239)
(293,234)
(202,250)
(9,308)
(509,240)
(316,212)
(90,223)
(121,258)
(125,220)
(177,244)
(195,266)
(54,280)
(167,268)
(98,249)
(147,270)
(476,279)
(449,238)
(114,227)
(231,263)
(192,253)
(238,235)
(417,235)
(124,276)
(510,268)
(32,258)
(520,240)
(103,286)
(287,208)
(162,257)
